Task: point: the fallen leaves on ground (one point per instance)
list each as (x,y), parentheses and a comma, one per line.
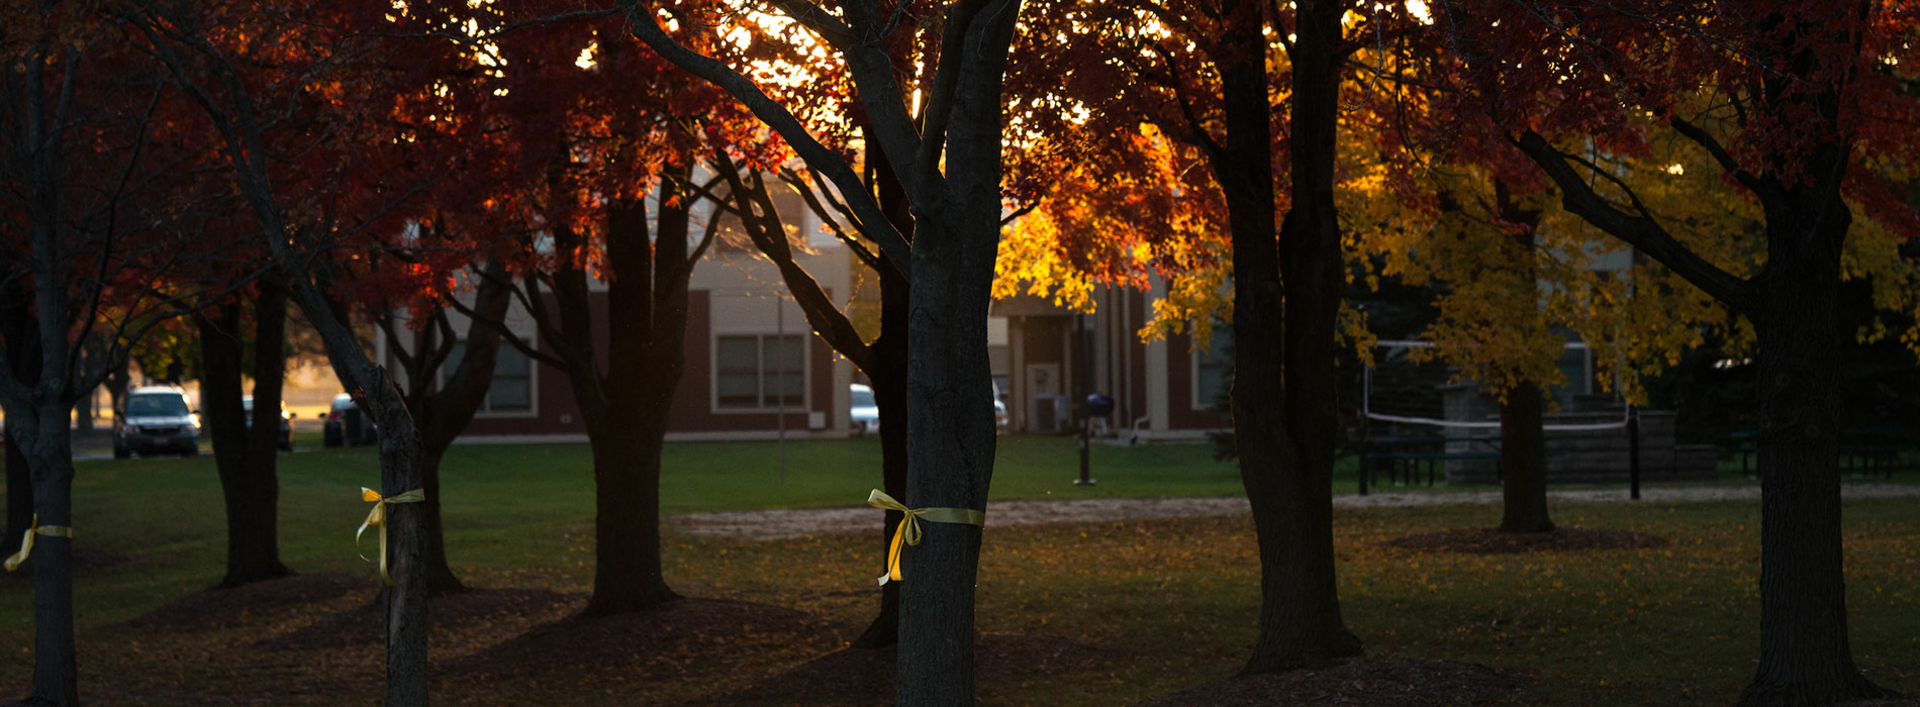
(1489,541)
(1399,681)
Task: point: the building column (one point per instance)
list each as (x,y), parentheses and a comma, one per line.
(1158,406)
(1017,392)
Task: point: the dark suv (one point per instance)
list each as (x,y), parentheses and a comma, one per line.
(286,421)
(155,420)
(347,424)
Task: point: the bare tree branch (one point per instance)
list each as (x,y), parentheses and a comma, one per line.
(1640,230)
(646,28)
(769,233)
(819,210)
(1706,140)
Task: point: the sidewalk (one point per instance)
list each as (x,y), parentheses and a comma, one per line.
(786,523)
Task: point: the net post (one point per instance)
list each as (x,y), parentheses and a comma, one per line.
(1633,451)
(1360,460)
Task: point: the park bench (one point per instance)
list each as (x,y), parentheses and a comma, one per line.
(1406,457)
(1877,452)
(1865,452)
(1744,444)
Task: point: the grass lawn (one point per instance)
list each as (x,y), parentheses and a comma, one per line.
(1151,607)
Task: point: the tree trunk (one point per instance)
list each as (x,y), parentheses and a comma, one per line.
(263,440)
(118,381)
(444,413)
(1286,451)
(83,414)
(626,484)
(888,371)
(22,343)
(406,613)
(950,426)
(50,454)
(950,443)
(626,410)
(440,579)
(250,496)
(40,430)
(1523,442)
(1805,657)
(19,499)
(1523,461)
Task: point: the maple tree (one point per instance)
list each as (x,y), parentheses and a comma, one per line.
(1200,74)
(949,168)
(594,161)
(246,453)
(1477,217)
(444,392)
(296,107)
(1491,326)
(237,330)
(822,100)
(1803,107)
(93,228)
(883,358)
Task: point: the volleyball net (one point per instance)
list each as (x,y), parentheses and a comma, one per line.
(1397,389)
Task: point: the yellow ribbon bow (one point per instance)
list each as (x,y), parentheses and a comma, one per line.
(26,543)
(378,516)
(909,528)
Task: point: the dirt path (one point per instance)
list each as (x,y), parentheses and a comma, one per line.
(820,521)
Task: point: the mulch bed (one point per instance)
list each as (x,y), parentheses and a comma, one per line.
(220,608)
(1487,541)
(850,676)
(1387,680)
(363,624)
(858,676)
(684,638)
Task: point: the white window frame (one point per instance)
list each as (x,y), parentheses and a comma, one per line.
(486,403)
(760,348)
(1193,365)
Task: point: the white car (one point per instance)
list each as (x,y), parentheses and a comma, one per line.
(865,414)
(155,420)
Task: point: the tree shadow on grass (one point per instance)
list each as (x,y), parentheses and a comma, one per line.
(258,602)
(858,676)
(85,560)
(363,624)
(1368,680)
(681,639)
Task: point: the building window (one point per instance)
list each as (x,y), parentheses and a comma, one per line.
(1213,371)
(512,387)
(760,372)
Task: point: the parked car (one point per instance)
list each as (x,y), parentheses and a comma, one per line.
(865,413)
(347,424)
(154,420)
(286,421)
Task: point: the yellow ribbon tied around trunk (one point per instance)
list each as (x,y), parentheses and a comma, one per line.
(379,517)
(26,543)
(908,532)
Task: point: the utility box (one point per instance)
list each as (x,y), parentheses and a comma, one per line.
(1049,414)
